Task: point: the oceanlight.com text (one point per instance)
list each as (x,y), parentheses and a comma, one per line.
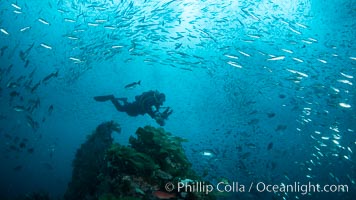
(237,187)
(300,188)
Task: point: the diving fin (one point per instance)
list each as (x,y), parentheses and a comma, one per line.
(104,98)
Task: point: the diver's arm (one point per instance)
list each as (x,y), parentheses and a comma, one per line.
(157,106)
(152,111)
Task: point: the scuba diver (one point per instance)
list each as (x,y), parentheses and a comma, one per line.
(148,102)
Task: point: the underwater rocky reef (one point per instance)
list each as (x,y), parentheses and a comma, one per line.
(105,170)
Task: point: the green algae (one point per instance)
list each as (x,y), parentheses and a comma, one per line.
(105,170)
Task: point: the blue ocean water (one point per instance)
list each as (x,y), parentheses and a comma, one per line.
(263,90)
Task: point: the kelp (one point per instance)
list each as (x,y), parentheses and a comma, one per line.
(89,162)
(105,170)
(127,159)
(165,149)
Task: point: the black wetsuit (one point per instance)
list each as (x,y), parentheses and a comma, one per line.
(148,102)
(143,104)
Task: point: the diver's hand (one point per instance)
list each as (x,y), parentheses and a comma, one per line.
(159,119)
(168,111)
